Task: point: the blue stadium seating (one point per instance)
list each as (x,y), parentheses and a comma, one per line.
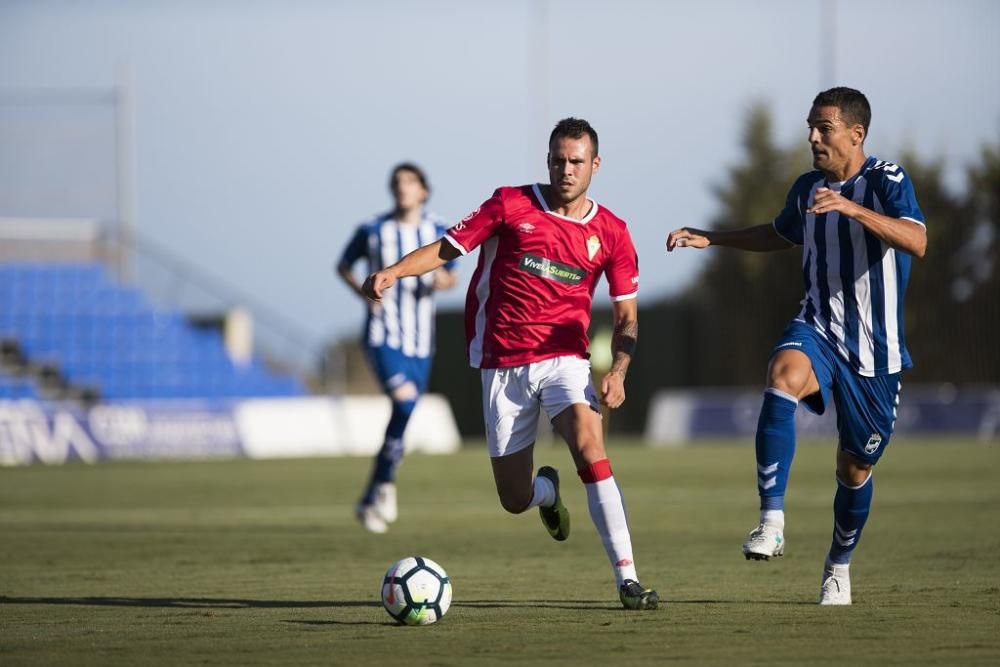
(101,334)
(13,388)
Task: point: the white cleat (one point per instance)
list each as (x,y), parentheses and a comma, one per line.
(765,542)
(836,588)
(385,501)
(370,519)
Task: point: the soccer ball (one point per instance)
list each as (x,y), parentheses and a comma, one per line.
(416,591)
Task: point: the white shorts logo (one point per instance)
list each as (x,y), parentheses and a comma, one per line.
(873,443)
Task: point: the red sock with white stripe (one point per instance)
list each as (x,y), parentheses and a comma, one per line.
(607,509)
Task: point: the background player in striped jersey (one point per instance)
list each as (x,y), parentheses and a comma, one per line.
(859,224)
(399,331)
(543,249)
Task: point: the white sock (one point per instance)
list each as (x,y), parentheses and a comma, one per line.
(840,569)
(544,493)
(607,509)
(774,518)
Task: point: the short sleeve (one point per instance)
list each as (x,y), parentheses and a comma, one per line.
(788,223)
(478,226)
(440,230)
(896,194)
(356,247)
(623,270)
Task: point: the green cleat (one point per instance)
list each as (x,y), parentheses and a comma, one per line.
(634,596)
(555,518)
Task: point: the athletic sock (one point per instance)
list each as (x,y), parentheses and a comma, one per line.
(544,493)
(774,518)
(775,446)
(851,505)
(391,454)
(607,510)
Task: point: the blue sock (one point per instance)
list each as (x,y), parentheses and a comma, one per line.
(391,455)
(850,511)
(775,447)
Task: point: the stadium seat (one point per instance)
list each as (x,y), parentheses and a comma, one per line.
(107,336)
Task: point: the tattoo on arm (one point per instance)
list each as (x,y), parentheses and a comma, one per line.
(623,345)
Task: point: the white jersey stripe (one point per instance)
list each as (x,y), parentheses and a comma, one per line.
(408,322)
(489,250)
(862,284)
(834,283)
(425,306)
(390,308)
(889,278)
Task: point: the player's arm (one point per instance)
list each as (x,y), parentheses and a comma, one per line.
(623,341)
(904,235)
(346,274)
(760,238)
(420,261)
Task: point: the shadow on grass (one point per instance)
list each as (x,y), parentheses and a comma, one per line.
(190,603)
(535,604)
(240,603)
(603,604)
(324,623)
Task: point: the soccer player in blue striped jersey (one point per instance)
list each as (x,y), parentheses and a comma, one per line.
(399,331)
(859,225)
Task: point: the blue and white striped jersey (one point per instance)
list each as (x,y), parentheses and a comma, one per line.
(854,282)
(404,320)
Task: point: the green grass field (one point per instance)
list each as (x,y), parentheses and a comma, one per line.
(248,562)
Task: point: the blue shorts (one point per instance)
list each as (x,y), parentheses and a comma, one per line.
(394,369)
(866,407)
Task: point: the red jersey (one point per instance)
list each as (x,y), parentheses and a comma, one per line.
(531,294)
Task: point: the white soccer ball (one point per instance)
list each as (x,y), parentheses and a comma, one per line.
(416,591)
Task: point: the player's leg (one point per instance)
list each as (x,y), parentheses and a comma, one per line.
(403,379)
(511,415)
(798,371)
(568,393)
(866,413)
(790,377)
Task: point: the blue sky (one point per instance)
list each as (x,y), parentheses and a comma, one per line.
(264,131)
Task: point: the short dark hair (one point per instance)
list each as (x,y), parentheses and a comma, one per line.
(574,128)
(853,105)
(413,169)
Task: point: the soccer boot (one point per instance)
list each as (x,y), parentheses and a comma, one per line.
(836,587)
(634,596)
(370,519)
(385,501)
(556,517)
(765,541)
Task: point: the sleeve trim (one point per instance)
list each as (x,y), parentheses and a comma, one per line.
(919,222)
(778,232)
(626,297)
(458,246)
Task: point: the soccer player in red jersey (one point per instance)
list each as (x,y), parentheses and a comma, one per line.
(543,249)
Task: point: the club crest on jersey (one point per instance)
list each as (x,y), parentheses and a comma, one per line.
(873,443)
(593,245)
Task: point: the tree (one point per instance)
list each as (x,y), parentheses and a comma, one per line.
(743,299)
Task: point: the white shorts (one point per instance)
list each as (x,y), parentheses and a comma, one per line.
(513,396)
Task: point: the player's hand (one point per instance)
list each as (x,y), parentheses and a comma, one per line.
(376,284)
(613,389)
(686,237)
(827,200)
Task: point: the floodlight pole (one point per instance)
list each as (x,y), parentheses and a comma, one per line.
(828,43)
(538,66)
(123,165)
